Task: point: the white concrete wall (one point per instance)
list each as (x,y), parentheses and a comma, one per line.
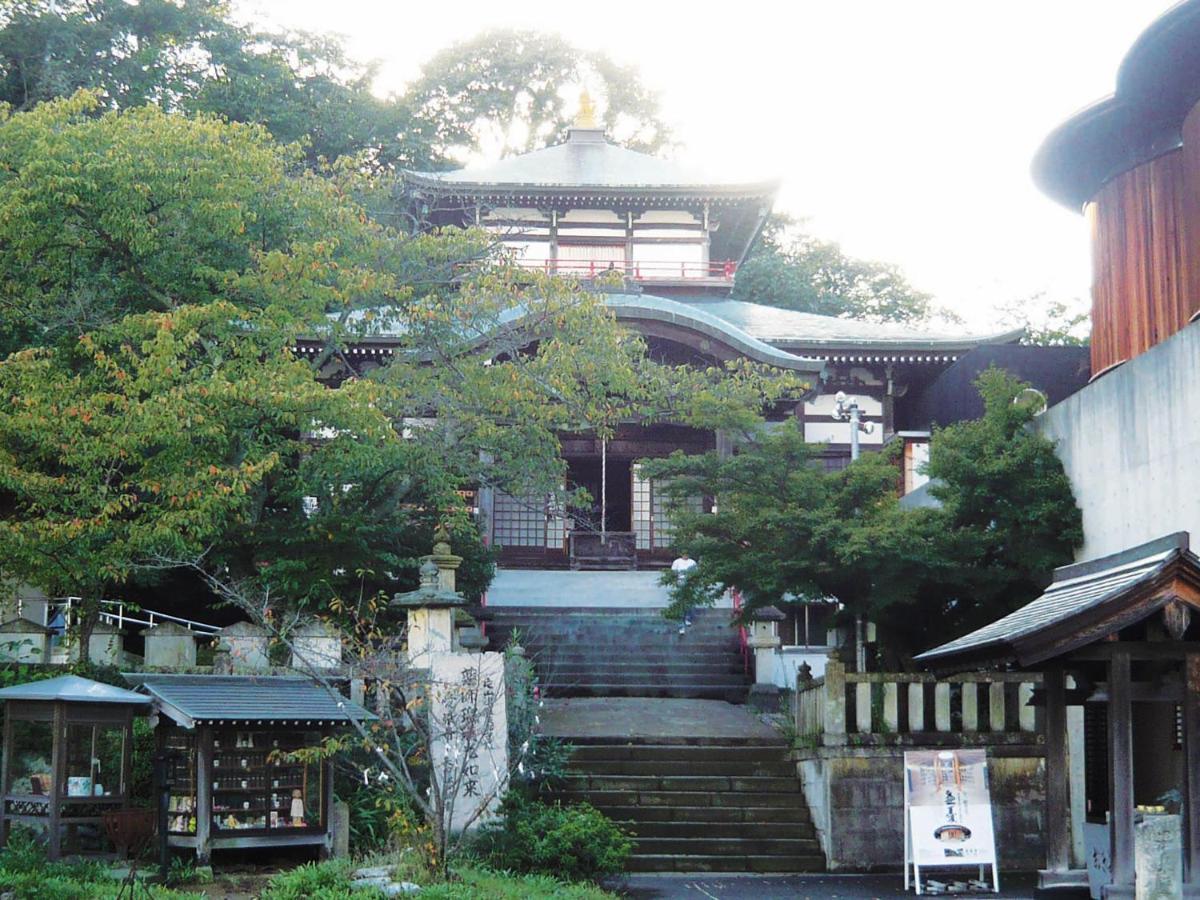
(788,660)
(1130,443)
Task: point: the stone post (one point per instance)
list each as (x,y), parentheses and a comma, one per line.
(835,703)
(24,641)
(106,644)
(764,641)
(316,645)
(248,644)
(169,646)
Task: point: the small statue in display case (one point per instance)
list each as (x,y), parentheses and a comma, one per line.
(297,809)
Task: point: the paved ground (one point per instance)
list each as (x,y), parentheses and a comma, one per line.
(651,717)
(794,887)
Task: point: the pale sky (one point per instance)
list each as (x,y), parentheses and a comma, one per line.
(903,130)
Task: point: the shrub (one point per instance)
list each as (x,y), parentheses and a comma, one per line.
(576,843)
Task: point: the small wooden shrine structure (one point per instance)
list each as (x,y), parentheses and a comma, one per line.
(1125,628)
(67,759)
(233,780)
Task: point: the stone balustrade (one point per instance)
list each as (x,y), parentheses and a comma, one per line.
(889,708)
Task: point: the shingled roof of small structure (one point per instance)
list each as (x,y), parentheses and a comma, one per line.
(192,700)
(1079,594)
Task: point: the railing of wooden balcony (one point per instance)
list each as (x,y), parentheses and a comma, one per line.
(887,708)
(638,271)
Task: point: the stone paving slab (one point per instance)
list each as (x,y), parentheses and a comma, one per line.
(647,718)
(556,587)
(796,887)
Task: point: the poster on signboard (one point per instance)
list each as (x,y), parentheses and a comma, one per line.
(948,812)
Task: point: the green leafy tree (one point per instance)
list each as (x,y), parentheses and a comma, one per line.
(193,57)
(510,88)
(1008,515)
(136,211)
(489,364)
(792,269)
(785,527)
(128,53)
(1048,323)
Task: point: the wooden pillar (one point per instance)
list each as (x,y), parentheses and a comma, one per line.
(327,807)
(1120,775)
(1191,775)
(1057,805)
(5,763)
(204,758)
(126,758)
(58,778)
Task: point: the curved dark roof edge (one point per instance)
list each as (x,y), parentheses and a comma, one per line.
(1158,83)
(650,307)
(904,346)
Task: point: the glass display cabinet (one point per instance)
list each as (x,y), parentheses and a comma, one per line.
(67,760)
(235,780)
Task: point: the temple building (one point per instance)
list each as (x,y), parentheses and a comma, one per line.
(588,207)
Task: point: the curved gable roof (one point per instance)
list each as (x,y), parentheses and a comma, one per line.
(791,328)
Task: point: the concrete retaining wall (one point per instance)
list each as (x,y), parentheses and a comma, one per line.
(1129,443)
(856,799)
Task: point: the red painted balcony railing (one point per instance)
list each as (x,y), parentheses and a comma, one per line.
(638,271)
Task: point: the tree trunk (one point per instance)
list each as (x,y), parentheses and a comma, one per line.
(86,614)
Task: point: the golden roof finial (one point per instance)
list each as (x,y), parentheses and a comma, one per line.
(586,117)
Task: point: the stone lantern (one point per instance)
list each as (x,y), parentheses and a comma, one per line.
(764,641)
(431,606)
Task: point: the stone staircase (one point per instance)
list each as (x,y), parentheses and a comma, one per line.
(625,652)
(697,805)
(728,803)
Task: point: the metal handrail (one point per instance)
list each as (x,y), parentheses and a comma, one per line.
(120,616)
(743,637)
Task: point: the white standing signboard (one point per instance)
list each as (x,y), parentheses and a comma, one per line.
(947,813)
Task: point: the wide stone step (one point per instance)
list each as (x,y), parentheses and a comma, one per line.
(725,863)
(628,648)
(705,846)
(568,613)
(602,799)
(704,783)
(641,676)
(714,662)
(679,667)
(683,767)
(749,830)
(726,815)
(691,692)
(554,624)
(748,749)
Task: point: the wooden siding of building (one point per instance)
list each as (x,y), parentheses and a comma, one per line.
(1145,224)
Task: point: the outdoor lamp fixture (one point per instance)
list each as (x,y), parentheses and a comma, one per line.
(848,410)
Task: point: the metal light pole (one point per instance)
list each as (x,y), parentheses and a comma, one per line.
(848,410)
